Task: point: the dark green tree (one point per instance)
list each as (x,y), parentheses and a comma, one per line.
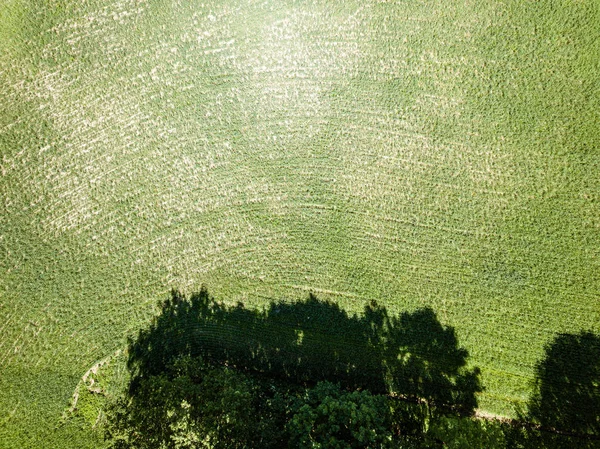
(195,405)
(205,374)
(329,417)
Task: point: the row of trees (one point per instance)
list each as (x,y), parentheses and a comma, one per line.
(308,375)
(195,404)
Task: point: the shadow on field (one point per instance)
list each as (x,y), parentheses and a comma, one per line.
(412,355)
(565,405)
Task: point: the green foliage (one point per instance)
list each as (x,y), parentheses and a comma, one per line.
(409,418)
(329,417)
(98,386)
(191,405)
(200,405)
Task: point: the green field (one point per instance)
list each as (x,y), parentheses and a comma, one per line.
(420,153)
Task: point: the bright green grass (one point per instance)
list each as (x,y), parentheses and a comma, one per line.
(414,152)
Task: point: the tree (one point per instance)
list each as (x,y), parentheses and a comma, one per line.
(191,405)
(329,417)
(208,375)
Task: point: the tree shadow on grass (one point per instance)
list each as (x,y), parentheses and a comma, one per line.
(567,396)
(565,406)
(412,355)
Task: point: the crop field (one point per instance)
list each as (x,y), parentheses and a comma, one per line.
(420,153)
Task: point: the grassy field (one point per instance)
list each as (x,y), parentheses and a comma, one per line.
(420,153)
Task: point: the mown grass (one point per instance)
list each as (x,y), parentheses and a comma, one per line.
(416,153)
